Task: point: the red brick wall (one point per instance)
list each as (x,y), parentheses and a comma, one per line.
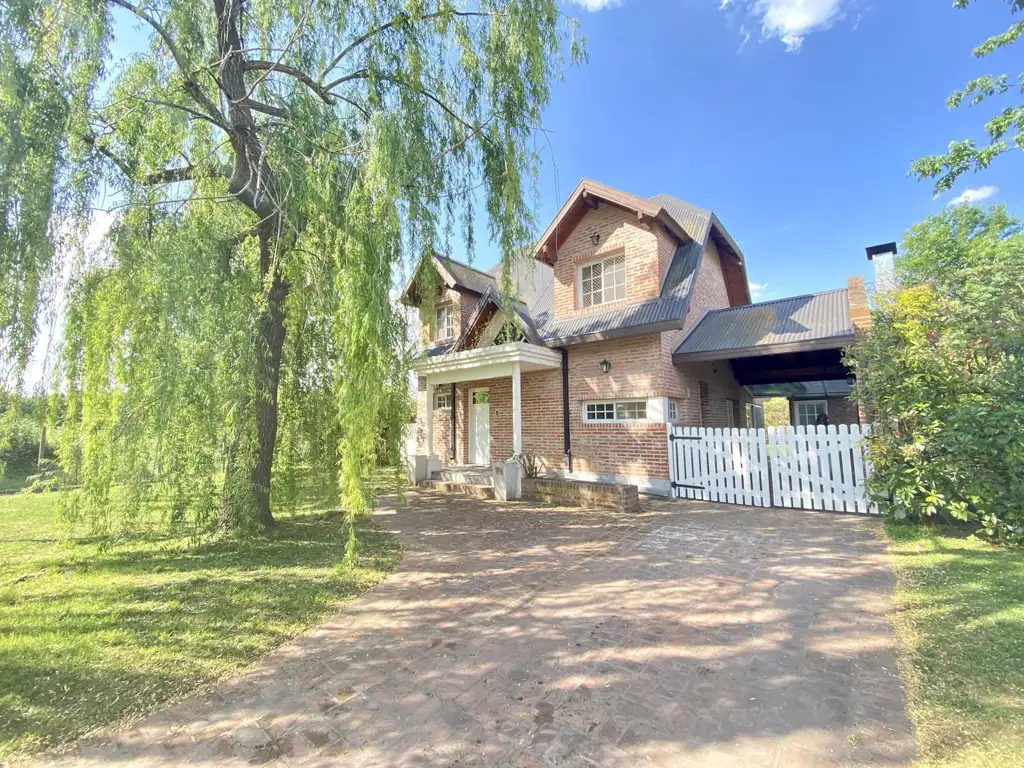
(463,305)
(842,410)
(623,449)
(442,421)
(500,418)
(647,252)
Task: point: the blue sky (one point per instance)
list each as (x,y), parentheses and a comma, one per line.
(794,120)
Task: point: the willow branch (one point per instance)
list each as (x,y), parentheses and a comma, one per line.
(399,19)
(213,114)
(257,65)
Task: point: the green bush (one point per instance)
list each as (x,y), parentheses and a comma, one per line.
(942,371)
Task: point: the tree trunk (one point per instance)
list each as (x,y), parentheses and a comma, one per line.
(268,376)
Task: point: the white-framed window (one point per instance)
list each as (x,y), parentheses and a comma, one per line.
(481,396)
(602,282)
(806,412)
(617,410)
(442,399)
(444,327)
(673,409)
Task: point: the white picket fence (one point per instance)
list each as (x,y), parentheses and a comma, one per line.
(727,465)
(821,468)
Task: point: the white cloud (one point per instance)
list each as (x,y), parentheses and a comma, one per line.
(974,195)
(757,291)
(790,21)
(596,5)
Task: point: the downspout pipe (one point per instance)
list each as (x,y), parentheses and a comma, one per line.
(565,408)
(453,421)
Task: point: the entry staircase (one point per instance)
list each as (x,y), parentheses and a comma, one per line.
(475,481)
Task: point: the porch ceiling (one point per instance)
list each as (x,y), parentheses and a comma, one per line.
(487,363)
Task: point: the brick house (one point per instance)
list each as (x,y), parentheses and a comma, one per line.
(632,314)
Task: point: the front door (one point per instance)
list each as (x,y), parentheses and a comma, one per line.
(480,426)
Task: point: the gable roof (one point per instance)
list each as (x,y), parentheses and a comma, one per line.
(455,274)
(491,298)
(813,321)
(665,313)
(469,277)
(586,196)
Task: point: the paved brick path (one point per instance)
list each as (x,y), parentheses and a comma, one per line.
(691,635)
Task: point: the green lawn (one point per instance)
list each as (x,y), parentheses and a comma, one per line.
(12,481)
(93,636)
(960,625)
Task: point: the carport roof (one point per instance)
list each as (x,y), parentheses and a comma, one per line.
(798,323)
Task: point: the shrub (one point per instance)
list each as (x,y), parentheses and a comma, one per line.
(529,463)
(942,373)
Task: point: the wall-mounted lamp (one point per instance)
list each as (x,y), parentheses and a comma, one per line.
(605,366)
(595,238)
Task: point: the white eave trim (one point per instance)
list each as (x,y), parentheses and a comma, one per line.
(486,362)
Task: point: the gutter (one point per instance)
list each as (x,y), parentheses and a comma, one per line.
(454,405)
(565,409)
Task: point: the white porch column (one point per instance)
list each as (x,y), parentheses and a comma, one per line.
(430,418)
(517,410)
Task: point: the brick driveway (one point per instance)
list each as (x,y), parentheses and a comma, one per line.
(513,635)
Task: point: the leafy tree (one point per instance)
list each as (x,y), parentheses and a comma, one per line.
(1005,130)
(776,412)
(943,370)
(271,165)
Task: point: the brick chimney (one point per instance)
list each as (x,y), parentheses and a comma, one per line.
(860,312)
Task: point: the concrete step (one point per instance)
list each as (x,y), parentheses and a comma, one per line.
(464,475)
(461,489)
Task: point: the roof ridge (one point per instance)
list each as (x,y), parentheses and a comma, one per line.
(466,265)
(696,208)
(776,301)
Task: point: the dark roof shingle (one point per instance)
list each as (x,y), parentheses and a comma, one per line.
(815,317)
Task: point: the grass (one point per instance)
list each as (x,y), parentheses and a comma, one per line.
(95,635)
(13,480)
(960,626)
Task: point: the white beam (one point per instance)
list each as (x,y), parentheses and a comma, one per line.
(517,410)
(430,417)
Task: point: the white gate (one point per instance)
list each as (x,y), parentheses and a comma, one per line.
(798,467)
(729,465)
(820,467)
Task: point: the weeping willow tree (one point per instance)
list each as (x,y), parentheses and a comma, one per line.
(271,166)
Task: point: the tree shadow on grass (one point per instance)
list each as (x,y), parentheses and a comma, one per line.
(138,624)
(960,620)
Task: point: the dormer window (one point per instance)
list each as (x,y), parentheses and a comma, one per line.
(603,282)
(444,327)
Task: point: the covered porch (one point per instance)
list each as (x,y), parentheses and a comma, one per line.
(790,348)
(477,395)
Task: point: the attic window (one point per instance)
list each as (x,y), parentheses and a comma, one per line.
(443,327)
(603,282)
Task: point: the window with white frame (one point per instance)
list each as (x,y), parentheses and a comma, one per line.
(618,410)
(806,412)
(443,324)
(673,410)
(442,400)
(603,282)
